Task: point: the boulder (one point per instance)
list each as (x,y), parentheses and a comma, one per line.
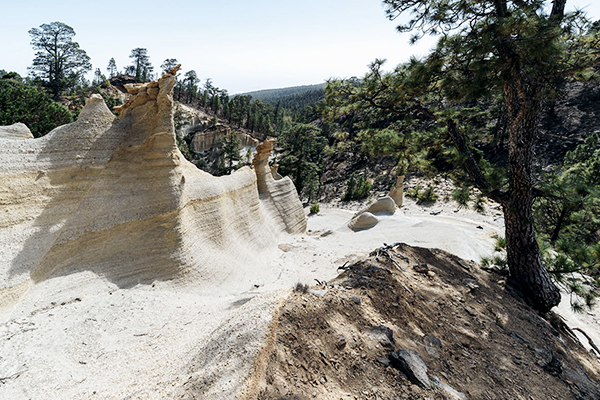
(448,391)
(409,363)
(383,205)
(382,334)
(365,218)
(362,221)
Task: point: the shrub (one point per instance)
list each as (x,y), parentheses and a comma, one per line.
(427,196)
(500,244)
(31,106)
(358,188)
(314,209)
(414,192)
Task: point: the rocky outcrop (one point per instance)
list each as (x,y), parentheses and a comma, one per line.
(120,81)
(278,194)
(117,199)
(365,218)
(18,131)
(409,362)
(397,191)
(211,136)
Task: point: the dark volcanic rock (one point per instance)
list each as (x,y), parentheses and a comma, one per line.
(120,81)
(409,362)
(383,334)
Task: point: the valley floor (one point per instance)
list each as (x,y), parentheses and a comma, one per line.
(173,340)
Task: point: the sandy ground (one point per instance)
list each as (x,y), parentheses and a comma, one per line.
(475,337)
(148,341)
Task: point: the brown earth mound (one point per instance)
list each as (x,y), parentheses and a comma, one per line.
(477,340)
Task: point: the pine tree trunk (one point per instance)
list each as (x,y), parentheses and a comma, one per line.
(527,272)
(524,261)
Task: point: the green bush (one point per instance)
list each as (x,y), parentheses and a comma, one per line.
(31,106)
(462,195)
(414,192)
(314,209)
(500,244)
(497,260)
(427,196)
(423,196)
(358,188)
(111,102)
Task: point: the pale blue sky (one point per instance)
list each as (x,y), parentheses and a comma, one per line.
(241,45)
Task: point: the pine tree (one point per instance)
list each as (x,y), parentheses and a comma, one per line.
(511,51)
(168,64)
(204,98)
(98,77)
(229,153)
(301,156)
(142,69)
(112,68)
(191,84)
(59,61)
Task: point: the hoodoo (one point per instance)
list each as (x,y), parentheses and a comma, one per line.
(118,199)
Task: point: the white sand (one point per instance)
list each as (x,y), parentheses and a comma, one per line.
(148,342)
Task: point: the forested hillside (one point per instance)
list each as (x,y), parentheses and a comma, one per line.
(274,95)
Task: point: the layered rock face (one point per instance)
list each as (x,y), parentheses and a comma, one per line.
(211,137)
(118,199)
(278,194)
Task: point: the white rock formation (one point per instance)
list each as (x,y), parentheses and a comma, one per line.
(118,199)
(397,191)
(383,205)
(212,136)
(278,194)
(134,275)
(15,131)
(366,218)
(362,221)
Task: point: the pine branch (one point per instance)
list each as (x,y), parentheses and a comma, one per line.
(471,165)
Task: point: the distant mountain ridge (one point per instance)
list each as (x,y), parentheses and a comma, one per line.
(272,96)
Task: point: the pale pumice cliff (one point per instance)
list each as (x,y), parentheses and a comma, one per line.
(278,193)
(211,137)
(118,199)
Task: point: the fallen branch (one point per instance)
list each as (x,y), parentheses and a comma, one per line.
(383,250)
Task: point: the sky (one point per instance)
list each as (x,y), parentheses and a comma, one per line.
(240,45)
